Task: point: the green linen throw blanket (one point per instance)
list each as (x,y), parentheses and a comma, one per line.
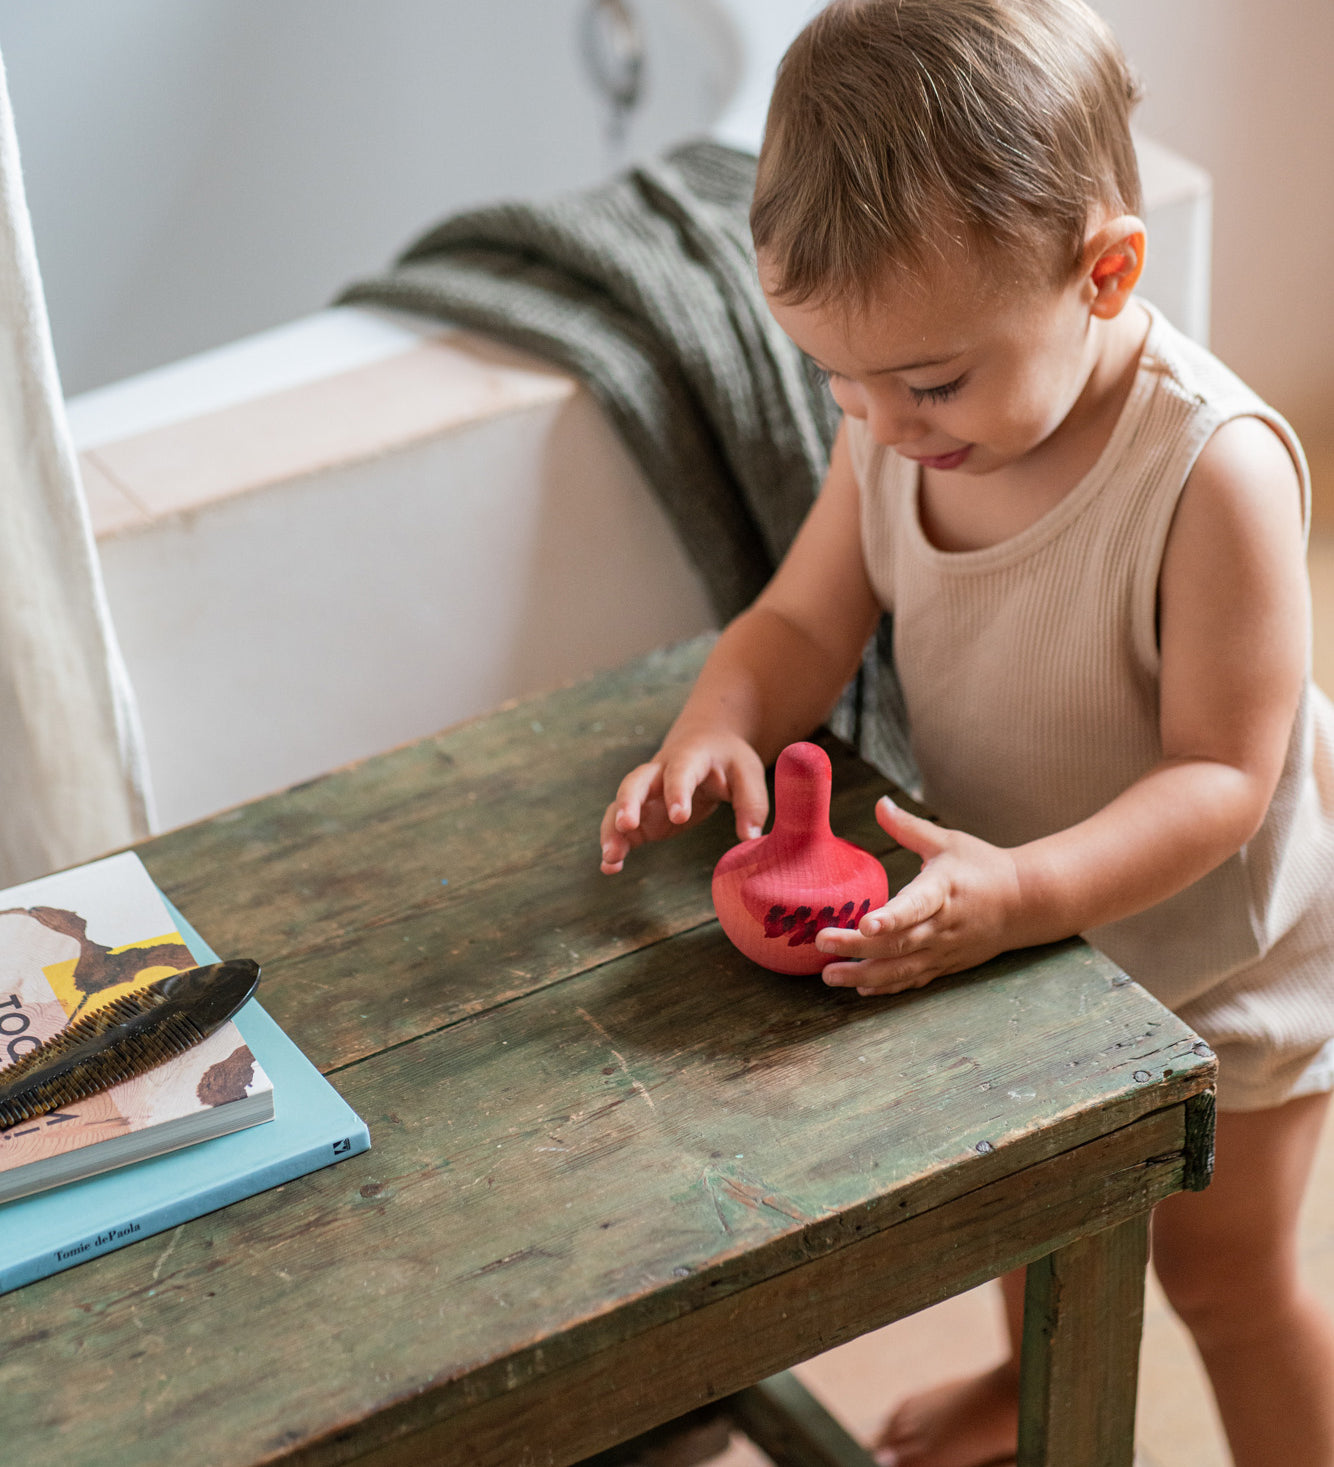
(644,287)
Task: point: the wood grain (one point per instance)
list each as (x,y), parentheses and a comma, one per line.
(1083,1316)
(345,876)
(717,1348)
(613,1163)
(658,1135)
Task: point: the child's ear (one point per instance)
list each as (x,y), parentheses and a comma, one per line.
(1111,264)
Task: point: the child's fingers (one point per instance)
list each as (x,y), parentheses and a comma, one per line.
(918,902)
(852,945)
(634,789)
(608,830)
(621,827)
(749,794)
(680,780)
(674,790)
(883,975)
(923,837)
(615,845)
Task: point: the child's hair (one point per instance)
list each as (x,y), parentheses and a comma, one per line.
(896,124)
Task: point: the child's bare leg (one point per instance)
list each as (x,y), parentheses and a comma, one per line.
(1227,1260)
(965,1423)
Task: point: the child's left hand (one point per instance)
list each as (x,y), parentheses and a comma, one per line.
(962,908)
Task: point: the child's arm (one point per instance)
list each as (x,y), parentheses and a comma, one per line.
(772,676)
(1233,635)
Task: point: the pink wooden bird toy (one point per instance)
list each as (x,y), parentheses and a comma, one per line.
(774,893)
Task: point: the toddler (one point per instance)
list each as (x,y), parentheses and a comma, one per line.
(1091,537)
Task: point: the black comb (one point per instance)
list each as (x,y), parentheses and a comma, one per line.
(126,1037)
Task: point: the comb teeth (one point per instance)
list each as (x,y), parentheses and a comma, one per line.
(82,1031)
(131,1056)
(124,1038)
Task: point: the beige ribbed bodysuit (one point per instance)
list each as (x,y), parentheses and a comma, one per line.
(1030,670)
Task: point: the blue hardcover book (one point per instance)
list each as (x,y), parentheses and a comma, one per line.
(313,1126)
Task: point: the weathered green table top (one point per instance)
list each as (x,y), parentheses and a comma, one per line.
(608,1154)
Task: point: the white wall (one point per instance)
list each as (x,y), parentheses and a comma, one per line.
(767,27)
(1244,89)
(200,169)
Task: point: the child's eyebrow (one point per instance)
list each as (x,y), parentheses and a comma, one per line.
(887,371)
(905,367)
(924,362)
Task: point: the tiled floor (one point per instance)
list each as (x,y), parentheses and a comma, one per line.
(1177,1423)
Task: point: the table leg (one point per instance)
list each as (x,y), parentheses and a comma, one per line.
(792,1428)
(1083,1316)
(779,1415)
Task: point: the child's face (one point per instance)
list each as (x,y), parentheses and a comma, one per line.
(960,372)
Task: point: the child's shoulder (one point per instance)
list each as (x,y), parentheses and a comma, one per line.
(1195,372)
(1222,409)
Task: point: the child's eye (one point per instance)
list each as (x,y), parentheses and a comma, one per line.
(943,393)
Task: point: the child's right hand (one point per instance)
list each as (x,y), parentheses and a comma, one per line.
(688,778)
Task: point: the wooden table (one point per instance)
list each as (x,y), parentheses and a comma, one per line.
(617,1172)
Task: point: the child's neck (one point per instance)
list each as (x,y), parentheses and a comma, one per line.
(963,512)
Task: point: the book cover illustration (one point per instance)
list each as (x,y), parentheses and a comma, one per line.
(70,943)
(57,1227)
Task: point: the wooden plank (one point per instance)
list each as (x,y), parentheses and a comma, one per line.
(792,1428)
(1200,1140)
(717,1349)
(698,1436)
(1083,1317)
(612,1161)
(493,1233)
(414,866)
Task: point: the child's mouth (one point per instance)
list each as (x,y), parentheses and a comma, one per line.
(945,461)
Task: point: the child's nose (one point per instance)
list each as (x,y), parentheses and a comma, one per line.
(849,395)
(892,422)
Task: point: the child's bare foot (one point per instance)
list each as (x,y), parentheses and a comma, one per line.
(966,1423)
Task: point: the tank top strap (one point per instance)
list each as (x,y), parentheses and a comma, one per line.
(1187,396)
(1219,396)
